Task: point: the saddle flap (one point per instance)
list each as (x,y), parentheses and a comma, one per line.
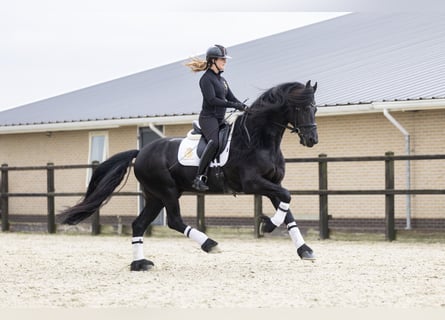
(191,147)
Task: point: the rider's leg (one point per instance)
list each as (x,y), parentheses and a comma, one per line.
(208,155)
(210,130)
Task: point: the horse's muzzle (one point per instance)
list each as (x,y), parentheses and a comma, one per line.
(309,142)
(309,138)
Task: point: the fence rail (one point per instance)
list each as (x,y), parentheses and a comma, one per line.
(323,192)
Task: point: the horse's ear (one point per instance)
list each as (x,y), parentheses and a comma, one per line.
(315,86)
(308,84)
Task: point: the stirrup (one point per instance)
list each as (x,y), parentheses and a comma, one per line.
(200,183)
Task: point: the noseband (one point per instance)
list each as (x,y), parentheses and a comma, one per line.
(294,128)
(297,128)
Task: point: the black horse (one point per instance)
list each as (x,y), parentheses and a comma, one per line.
(255,166)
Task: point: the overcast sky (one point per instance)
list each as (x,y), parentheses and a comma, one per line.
(51,47)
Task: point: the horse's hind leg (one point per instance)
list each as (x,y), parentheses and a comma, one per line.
(140,224)
(175,222)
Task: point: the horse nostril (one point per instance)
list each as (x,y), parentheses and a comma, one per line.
(312,141)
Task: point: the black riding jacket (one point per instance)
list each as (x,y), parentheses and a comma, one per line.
(217,95)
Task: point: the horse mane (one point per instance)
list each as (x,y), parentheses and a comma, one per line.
(264,109)
(275,97)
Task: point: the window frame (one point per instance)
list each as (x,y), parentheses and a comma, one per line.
(105,150)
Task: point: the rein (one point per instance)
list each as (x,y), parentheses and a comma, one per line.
(243,125)
(294,128)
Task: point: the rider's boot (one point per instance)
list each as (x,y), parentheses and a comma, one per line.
(207,156)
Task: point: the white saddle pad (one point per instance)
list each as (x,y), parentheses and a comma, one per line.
(187,155)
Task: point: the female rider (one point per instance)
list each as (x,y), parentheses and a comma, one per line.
(217,96)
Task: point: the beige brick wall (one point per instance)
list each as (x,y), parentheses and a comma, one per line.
(177,130)
(61,148)
(354,135)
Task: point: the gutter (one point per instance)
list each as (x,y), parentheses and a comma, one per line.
(97,124)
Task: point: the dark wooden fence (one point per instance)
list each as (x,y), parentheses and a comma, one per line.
(389,192)
(50,194)
(323,192)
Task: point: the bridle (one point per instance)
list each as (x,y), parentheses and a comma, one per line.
(297,128)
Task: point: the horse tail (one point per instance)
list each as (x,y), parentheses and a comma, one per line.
(105,179)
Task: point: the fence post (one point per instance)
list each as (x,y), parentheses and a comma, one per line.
(4,197)
(390,233)
(95,220)
(323,197)
(258,211)
(200,203)
(50,198)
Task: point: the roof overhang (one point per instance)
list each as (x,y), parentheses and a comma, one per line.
(378,107)
(337,110)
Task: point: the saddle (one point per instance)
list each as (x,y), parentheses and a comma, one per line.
(224,132)
(193,145)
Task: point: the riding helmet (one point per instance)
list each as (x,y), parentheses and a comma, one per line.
(217,51)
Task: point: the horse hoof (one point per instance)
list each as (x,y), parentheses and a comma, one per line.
(266,226)
(306,253)
(215,249)
(209,246)
(141,265)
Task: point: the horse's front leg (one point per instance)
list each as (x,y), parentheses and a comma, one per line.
(280,198)
(303,250)
(269,224)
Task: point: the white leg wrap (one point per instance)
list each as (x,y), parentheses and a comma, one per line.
(195,235)
(138,248)
(295,234)
(279,216)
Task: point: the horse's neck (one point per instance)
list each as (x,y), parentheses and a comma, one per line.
(263,131)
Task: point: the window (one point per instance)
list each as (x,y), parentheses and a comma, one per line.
(98,150)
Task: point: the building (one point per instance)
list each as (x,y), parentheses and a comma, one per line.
(373,71)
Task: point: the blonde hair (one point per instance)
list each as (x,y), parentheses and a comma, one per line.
(197,64)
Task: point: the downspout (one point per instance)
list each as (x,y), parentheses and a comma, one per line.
(408,164)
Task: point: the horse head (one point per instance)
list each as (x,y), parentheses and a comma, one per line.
(300,113)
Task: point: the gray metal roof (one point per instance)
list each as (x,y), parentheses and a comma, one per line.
(356,58)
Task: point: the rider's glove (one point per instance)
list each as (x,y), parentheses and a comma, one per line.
(237,105)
